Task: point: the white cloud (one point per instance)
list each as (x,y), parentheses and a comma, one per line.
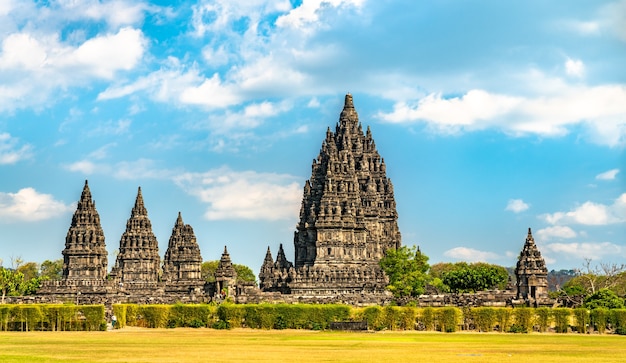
(590,213)
(244,195)
(517,206)
(550,112)
(84,166)
(608,175)
(211,93)
(308,13)
(470,254)
(10,150)
(37,68)
(29,205)
(124,170)
(574,68)
(555,232)
(592,250)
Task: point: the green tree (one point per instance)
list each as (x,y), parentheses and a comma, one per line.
(208,269)
(604,298)
(407,269)
(244,273)
(30,270)
(52,270)
(475,277)
(9,282)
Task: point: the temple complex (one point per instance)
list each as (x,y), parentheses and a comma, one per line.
(348,218)
(138,262)
(182,262)
(532,274)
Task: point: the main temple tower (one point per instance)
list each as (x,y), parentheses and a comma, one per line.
(348,219)
(348,214)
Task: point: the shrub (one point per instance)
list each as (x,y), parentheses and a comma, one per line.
(373,315)
(94,316)
(156,316)
(503,317)
(599,318)
(484,318)
(407,318)
(449,319)
(232,314)
(561,319)
(523,319)
(582,319)
(618,318)
(543,316)
(428,318)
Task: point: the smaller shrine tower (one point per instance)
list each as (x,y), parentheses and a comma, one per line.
(225,275)
(531,273)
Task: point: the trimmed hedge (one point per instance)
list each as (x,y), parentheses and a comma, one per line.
(54,317)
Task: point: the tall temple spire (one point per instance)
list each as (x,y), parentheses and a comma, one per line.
(348,217)
(139,209)
(348,114)
(350,195)
(85,255)
(182,263)
(138,261)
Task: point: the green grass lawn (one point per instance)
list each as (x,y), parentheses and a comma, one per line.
(246,345)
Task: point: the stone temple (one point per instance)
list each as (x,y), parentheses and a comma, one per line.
(85,254)
(138,262)
(532,274)
(348,219)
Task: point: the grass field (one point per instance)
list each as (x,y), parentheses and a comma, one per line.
(245,345)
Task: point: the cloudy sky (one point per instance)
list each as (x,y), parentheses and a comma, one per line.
(492,117)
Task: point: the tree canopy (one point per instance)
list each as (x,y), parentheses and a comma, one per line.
(463,277)
(244,273)
(407,269)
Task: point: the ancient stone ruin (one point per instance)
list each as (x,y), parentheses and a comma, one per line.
(85,254)
(348,219)
(138,262)
(182,263)
(532,275)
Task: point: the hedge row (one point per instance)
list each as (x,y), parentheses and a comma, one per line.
(165,316)
(54,317)
(225,316)
(304,316)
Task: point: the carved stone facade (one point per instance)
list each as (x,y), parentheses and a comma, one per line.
(85,254)
(138,262)
(225,275)
(182,263)
(348,218)
(532,274)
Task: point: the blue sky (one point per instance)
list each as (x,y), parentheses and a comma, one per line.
(492,117)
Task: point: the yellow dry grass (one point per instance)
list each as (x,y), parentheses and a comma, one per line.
(245,345)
